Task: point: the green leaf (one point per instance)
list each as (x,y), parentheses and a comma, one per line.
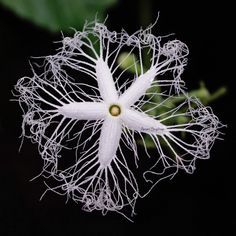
(128,61)
(56,15)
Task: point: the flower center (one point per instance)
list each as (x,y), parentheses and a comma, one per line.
(115,110)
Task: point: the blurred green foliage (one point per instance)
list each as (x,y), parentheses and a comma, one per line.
(56,15)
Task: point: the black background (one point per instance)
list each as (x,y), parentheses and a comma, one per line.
(198,204)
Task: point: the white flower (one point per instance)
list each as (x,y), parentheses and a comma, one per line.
(80,99)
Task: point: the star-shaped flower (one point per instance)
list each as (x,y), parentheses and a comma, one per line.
(80,99)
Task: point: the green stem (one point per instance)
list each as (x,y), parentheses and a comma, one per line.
(145,10)
(145,17)
(218,93)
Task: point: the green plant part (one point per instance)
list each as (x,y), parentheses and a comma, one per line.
(57,15)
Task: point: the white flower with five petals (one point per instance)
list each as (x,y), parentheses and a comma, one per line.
(82,100)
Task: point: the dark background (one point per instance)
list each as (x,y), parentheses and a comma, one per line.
(198,204)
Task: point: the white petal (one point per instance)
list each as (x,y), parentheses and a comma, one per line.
(105,81)
(84,110)
(109,140)
(141,122)
(138,88)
